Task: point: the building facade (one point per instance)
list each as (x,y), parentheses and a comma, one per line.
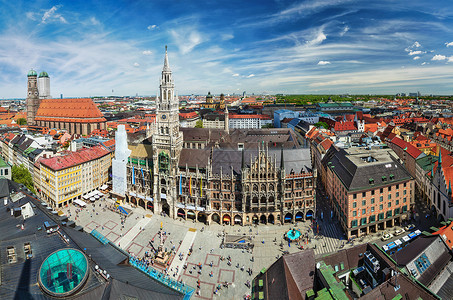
(216,181)
(369,190)
(77,116)
(66,178)
(32,101)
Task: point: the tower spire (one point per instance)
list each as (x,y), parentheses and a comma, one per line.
(243,159)
(282,161)
(166,64)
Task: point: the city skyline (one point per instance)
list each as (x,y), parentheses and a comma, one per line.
(343,46)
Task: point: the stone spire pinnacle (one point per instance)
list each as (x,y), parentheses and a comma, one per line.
(166,64)
(282,160)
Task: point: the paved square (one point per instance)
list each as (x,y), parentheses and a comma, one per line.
(112,236)
(226,276)
(110,225)
(206,290)
(214,258)
(92,225)
(135,248)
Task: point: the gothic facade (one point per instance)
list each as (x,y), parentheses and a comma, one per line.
(248,182)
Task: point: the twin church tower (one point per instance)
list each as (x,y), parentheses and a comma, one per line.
(37,88)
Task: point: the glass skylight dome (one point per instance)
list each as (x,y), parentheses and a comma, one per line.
(63,272)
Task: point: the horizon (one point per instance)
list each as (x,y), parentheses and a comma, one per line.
(265,47)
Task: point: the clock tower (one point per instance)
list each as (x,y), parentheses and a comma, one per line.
(167,144)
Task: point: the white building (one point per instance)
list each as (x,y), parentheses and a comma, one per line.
(119,163)
(248,121)
(44,85)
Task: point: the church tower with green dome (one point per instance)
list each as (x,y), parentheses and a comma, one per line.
(167,143)
(44,85)
(32,101)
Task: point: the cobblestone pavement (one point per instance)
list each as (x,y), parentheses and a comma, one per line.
(138,229)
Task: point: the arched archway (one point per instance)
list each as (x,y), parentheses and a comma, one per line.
(134,201)
(226,219)
(271,199)
(288,218)
(191,215)
(309,214)
(237,220)
(263,219)
(163,191)
(165,208)
(180,213)
(255,200)
(141,203)
(299,216)
(255,219)
(215,218)
(163,181)
(201,217)
(271,219)
(128,199)
(150,206)
(263,200)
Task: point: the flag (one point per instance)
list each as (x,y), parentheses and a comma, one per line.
(143,176)
(180,184)
(190,186)
(201,186)
(133,175)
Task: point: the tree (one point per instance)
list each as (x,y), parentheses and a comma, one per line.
(322,124)
(20,174)
(199,124)
(21,121)
(270,125)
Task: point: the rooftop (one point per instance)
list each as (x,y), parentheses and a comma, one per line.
(68,108)
(75,158)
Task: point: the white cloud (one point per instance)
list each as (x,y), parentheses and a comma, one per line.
(416,57)
(51,15)
(251,75)
(94,21)
(151,27)
(345,29)
(424,63)
(235,75)
(136,64)
(186,39)
(31,15)
(227,36)
(449,44)
(439,57)
(147,52)
(418,52)
(323,62)
(450,59)
(416,44)
(318,39)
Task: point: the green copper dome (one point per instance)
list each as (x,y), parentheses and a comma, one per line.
(32,73)
(43,74)
(63,272)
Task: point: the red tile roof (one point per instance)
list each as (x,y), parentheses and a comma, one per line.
(75,158)
(346,125)
(188,115)
(69,108)
(410,149)
(237,116)
(446,233)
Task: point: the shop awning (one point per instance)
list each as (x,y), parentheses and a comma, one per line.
(237,218)
(180,213)
(226,218)
(80,202)
(288,218)
(191,213)
(92,199)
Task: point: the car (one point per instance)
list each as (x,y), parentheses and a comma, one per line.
(386,236)
(399,231)
(409,227)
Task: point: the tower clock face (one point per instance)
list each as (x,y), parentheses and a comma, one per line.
(164,117)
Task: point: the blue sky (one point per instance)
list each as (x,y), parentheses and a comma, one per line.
(90,48)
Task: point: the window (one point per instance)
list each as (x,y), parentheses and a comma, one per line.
(364,211)
(389,188)
(390,204)
(354,204)
(404,192)
(397,186)
(381,207)
(404,208)
(397,194)
(363,221)
(404,184)
(404,200)
(372,219)
(372,193)
(397,211)
(364,194)
(372,200)
(381,198)
(390,196)
(354,213)
(354,223)
(389,214)
(381,216)
(363,202)
(381,190)
(397,202)
(372,209)
(422,263)
(354,196)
